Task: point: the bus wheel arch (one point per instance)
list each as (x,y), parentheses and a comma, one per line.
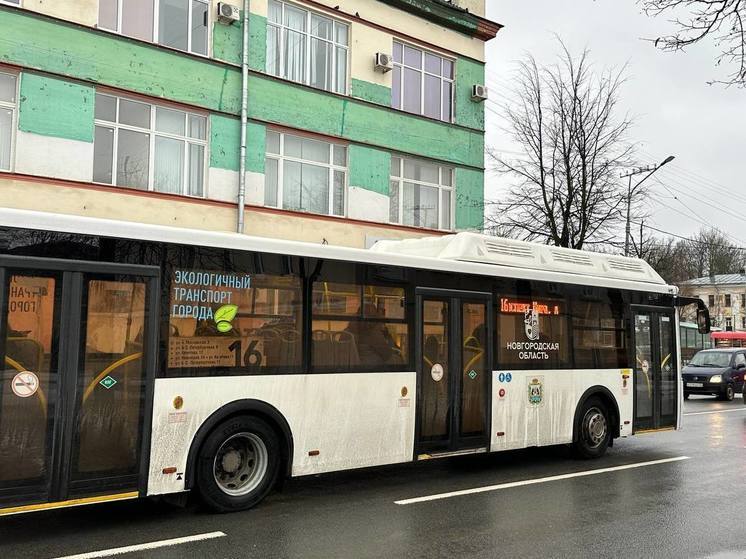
(256,408)
(603,396)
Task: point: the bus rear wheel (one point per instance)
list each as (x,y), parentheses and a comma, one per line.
(594,430)
(238,464)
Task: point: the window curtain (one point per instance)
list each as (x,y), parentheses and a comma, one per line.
(295,43)
(169,165)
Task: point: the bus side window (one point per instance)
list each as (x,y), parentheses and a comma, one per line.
(598,335)
(358,327)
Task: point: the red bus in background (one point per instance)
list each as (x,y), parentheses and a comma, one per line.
(728,339)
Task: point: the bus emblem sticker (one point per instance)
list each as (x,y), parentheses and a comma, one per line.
(25,384)
(531,323)
(108,382)
(535,392)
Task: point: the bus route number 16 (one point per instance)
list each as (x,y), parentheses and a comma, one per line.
(252,357)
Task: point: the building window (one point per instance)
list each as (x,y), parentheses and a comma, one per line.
(421,194)
(12,2)
(727,300)
(306,47)
(8,88)
(711,301)
(728,324)
(743,301)
(149,147)
(305,174)
(180,24)
(422,83)
(743,323)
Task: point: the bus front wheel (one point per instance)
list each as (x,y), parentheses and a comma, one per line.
(238,464)
(594,430)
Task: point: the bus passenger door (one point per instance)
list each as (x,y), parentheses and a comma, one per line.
(454,353)
(656,371)
(77,340)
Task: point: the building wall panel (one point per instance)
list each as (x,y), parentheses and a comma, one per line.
(53,107)
(84,12)
(106,59)
(300,107)
(469,199)
(47,156)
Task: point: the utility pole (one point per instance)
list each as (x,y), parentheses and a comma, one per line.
(650,169)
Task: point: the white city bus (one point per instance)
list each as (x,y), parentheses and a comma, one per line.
(146,360)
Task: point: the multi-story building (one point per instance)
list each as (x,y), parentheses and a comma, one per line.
(133,110)
(724,295)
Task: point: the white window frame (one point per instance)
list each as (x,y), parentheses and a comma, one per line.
(13,118)
(331,166)
(156,26)
(307,41)
(152,133)
(423,72)
(11,3)
(449,226)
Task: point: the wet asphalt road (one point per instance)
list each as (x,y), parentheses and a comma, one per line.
(687,508)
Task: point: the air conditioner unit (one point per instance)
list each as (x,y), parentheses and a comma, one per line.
(479,93)
(227,13)
(384,62)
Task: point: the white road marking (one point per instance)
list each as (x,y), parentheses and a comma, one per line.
(534,481)
(715,411)
(145,546)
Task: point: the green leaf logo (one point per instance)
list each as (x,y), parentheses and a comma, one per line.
(224,316)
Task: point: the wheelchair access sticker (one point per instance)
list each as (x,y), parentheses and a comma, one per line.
(505,377)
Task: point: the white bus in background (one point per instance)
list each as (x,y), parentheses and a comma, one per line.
(145,360)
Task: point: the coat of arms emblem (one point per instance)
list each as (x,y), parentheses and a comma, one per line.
(531,324)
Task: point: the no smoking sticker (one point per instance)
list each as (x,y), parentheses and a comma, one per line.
(25,384)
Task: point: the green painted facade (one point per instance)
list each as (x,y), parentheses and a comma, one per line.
(256,147)
(102,58)
(280,102)
(225,143)
(467,112)
(225,138)
(53,107)
(369,168)
(469,199)
(373,92)
(66,61)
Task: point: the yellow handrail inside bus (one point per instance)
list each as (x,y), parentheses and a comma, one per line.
(20,368)
(473,359)
(107,370)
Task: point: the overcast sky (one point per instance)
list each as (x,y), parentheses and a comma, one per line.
(675,111)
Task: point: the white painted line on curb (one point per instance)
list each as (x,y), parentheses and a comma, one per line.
(715,411)
(145,546)
(538,480)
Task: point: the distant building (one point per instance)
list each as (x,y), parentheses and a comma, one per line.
(724,295)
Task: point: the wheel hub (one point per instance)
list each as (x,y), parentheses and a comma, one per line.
(240,464)
(595,427)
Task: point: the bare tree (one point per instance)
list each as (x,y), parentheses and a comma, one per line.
(566,189)
(720,20)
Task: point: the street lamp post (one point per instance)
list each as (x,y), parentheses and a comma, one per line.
(631,190)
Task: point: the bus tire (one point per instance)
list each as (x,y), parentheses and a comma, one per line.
(594,430)
(238,464)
